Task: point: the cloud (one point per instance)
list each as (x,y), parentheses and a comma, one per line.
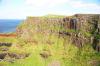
(44,3)
(66,7)
(82,5)
(76,4)
(23,8)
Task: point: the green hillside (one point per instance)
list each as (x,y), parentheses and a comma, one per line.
(55,41)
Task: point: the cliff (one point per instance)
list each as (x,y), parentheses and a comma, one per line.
(80,29)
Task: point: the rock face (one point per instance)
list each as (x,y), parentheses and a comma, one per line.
(80,28)
(5,44)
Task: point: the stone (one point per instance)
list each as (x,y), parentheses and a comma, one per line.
(2,55)
(6,44)
(45,54)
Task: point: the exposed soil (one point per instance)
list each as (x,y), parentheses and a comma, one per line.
(8,35)
(54,63)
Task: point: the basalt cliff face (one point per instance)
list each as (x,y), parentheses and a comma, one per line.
(79,29)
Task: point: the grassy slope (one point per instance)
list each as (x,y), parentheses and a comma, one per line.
(71,56)
(68,55)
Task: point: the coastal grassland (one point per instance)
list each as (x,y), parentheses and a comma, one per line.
(56,51)
(8,39)
(49,49)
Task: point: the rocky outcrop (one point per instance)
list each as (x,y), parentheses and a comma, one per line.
(6,44)
(6,55)
(87,30)
(80,28)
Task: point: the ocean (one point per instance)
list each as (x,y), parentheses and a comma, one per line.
(9,25)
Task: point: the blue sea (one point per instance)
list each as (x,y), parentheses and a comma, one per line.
(9,25)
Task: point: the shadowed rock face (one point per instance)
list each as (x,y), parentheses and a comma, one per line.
(86,24)
(81,28)
(3,56)
(5,44)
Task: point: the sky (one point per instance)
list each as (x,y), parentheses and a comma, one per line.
(20,9)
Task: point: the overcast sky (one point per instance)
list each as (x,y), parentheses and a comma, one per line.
(19,9)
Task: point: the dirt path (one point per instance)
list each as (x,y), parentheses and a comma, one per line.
(54,63)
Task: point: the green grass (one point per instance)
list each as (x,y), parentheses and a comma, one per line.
(60,48)
(68,55)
